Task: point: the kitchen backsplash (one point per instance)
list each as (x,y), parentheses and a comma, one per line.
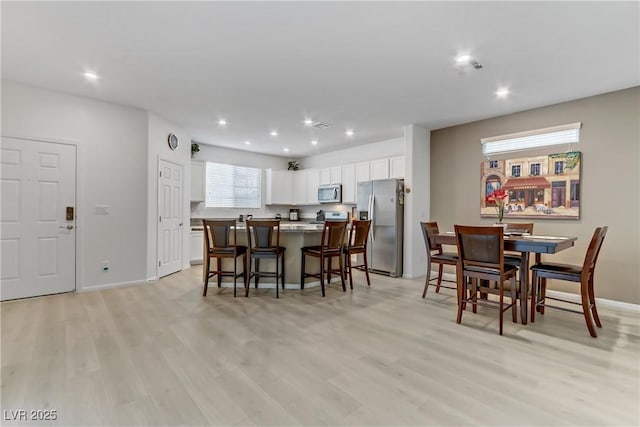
(198,210)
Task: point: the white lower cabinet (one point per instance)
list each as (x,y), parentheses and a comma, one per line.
(196,247)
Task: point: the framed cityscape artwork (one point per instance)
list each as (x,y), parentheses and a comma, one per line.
(534,187)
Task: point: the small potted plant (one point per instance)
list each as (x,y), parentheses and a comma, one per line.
(294,165)
(195,149)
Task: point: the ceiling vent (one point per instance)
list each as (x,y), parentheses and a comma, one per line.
(320,125)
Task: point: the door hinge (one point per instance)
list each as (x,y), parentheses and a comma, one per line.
(160,220)
(159,263)
(160,174)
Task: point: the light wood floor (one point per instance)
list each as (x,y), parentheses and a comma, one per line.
(161,354)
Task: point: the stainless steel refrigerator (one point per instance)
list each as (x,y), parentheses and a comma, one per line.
(382,201)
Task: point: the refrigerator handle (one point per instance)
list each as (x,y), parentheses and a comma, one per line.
(372,201)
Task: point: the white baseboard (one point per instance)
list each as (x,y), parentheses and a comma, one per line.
(113,285)
(618,305)
(152,279)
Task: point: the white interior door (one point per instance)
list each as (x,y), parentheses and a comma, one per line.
(170,217)
(38,218)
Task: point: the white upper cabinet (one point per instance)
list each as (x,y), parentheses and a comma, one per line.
(362,172)
(332,175)
(299,187)
(325,176)
(349,184)
(396,167)
(312,184)
(198,170)
(379,169)
(279,187)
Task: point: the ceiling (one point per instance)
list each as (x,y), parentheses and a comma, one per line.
(370,66)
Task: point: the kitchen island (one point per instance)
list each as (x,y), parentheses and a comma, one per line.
(293,236)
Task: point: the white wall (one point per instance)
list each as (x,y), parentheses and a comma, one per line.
(210,153)
(158,148)
(360,153)
(112,170)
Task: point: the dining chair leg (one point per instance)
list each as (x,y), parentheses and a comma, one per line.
(322,274)
(543,294)
(534,296)
(257,275)
(347,259)
(283,271)
(219,265)
(462,292)
(330,259)
(366,267)
(474,295)
(277,277)
(514,300)
(440,268)
(342,278)
(235,275)
(592,300)
(426,282)
(501,296)
(587,310)
(245,274)
(302,271)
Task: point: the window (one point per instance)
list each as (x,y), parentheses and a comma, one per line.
(515,170)
(493,164)
(535,169)
(231,186)
(558,168)
(556,135)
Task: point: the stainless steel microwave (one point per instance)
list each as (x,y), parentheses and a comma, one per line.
(330,193)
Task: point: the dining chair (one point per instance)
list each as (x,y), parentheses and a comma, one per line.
(357,244)
(331,244)
(481,259)
(571,273)
(435,254)
(263,237)
(221,243)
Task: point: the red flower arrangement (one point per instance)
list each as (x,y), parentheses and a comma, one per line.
(497,198)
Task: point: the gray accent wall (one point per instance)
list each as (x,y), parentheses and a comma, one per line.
(609,142)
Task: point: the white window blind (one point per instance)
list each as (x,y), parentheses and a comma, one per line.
(230,186)
(557,135)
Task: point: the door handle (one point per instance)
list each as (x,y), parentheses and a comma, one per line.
(68,227)
(372,218)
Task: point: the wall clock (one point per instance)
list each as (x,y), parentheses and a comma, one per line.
(173,141)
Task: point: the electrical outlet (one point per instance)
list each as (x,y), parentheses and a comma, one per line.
(105,266)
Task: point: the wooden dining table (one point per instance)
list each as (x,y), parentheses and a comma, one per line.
(525,245)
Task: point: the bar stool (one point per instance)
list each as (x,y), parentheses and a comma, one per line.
(331,244)
(260,236)
(217,237)
(357,244)
(436,255)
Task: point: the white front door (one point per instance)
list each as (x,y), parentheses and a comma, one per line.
(170,218)
(38,218)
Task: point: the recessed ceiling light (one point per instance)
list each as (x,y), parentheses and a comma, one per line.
(286,150)
(314,142)
(222,122)
(308,122)
(273,133)
(461,59)
(90,75)
(349,132)
(247,143)
(502,92)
